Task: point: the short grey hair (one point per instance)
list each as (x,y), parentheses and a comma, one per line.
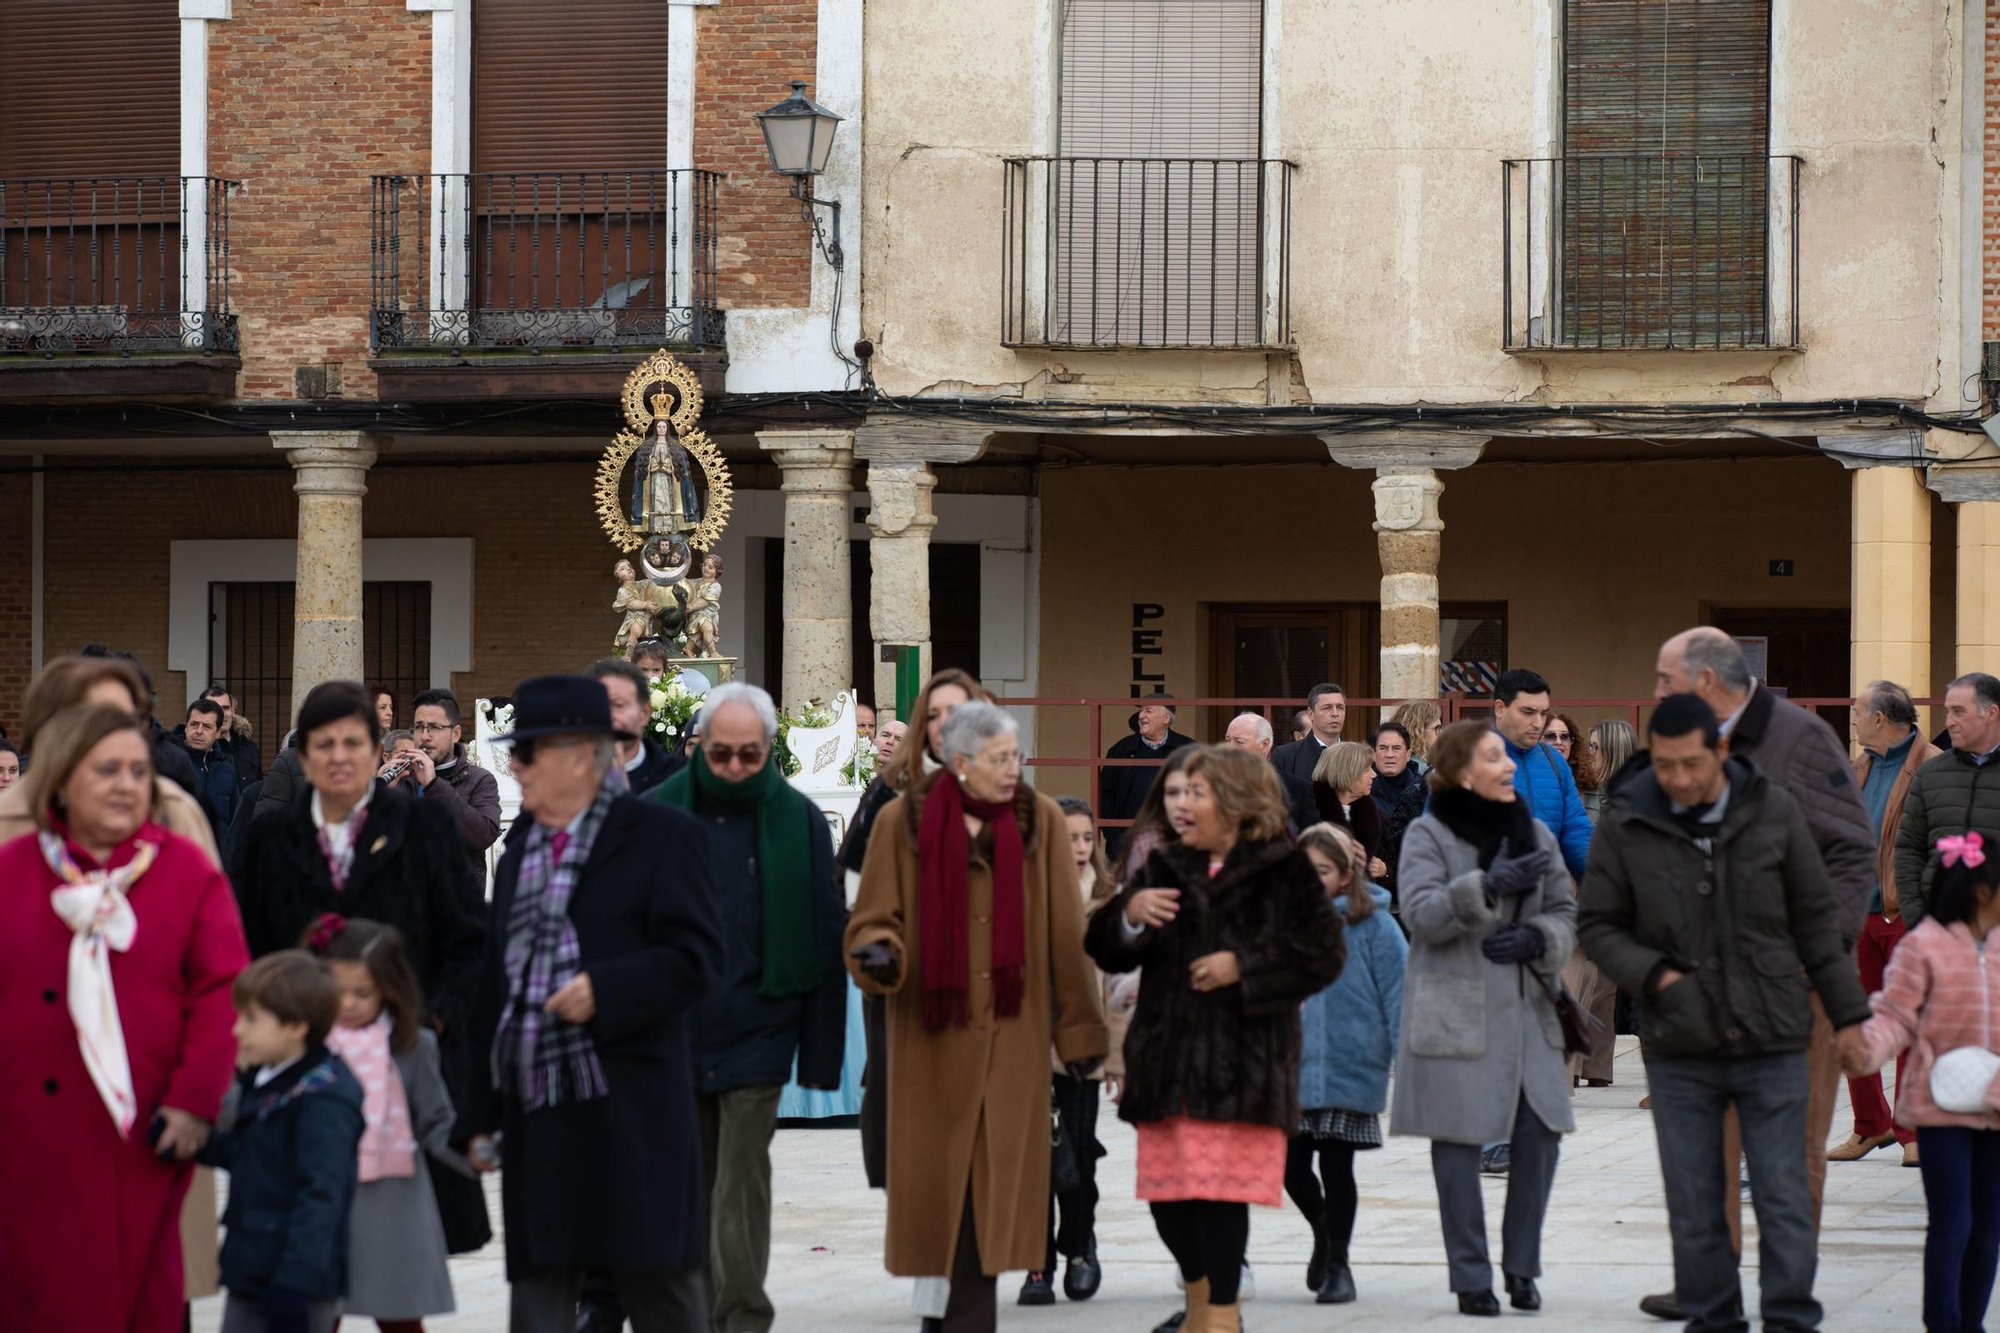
(971,727)
(1709,649)
(1892,701)
(752,696)
(1985,688)
(1263,724)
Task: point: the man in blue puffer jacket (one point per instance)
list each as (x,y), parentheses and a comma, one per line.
(1520,710)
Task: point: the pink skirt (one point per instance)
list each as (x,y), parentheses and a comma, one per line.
(1182,1158)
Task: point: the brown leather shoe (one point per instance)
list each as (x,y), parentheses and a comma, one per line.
(1646,1102)
(1910,1154)
(1857,1147)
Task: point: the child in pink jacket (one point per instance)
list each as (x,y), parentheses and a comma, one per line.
(1942,992)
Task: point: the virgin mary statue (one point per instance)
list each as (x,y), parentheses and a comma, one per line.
(663,491)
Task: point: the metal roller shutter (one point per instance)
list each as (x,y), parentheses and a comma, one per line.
(89,88)
(576,86)
(1158,196)
(1666,136)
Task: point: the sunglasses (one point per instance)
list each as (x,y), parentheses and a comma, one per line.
(1557,737)
(719,756)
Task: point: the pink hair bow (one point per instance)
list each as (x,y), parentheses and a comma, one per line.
(1969,848)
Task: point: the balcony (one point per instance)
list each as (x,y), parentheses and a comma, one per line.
(1650,253)
(553,265)
(114,264)
(1111,253)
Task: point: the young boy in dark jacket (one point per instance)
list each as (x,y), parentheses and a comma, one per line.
(289,1136)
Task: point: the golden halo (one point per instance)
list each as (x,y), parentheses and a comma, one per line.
(610,496)
(662,368)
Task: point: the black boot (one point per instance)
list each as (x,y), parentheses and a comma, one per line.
(1482,1303)
(1521,1293)
(1082,1276)
(1316,1266)
(1036,1290)
(1338,1286)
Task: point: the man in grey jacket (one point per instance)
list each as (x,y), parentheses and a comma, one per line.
(1957,791)
(1795,749)
(444,774)
(1704,898)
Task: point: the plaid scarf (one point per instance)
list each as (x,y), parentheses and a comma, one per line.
(543,1059)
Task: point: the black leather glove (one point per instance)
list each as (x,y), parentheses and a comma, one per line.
(879,961)
(1081,1070)
(287,1310)
(1512,874)
(1514,944)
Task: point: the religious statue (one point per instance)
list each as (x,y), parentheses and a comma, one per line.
(704,609)
(631,599)
(664,499)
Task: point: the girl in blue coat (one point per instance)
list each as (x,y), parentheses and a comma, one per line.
(1349,1047)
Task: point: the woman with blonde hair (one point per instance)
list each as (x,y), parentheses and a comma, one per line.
(1342,780)
(1608,749)
(1212,1081)
(1348,1047)
(1421,718)
(118,943)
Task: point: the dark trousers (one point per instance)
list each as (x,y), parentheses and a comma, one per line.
(1331,1213)
(1770,1094)
(971,1307)
(1207,1240)
(1076,1108)
(736,1130)
(1872,1117)
(658,1300)
(1462,1204)
(1961,1170)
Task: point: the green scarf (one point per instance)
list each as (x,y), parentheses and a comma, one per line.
(785,831)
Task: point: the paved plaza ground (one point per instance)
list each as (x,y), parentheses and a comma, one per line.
(1605,1244)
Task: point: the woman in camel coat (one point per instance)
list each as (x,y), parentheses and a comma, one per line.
(968,1045)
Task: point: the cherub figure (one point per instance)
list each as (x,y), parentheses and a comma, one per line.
(638,607)
(704,609)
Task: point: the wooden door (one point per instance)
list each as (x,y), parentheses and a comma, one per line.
(1282,650)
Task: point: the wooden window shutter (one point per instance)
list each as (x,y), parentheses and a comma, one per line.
(1665,178)
(575,86)
(89,88)
(1158,194)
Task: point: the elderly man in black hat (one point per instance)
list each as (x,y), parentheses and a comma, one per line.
(1123,790)
(605,934)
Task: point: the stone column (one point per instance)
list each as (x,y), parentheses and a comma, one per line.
(1890,600)
(818,467)
(332,468)
(900,522)
(901,453)
(1409,537)
(1974,494)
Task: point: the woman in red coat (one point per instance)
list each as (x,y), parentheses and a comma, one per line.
(118,944)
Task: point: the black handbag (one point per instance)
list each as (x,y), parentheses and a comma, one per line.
(1576,1024)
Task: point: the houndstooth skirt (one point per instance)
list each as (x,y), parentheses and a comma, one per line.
(1360,1128)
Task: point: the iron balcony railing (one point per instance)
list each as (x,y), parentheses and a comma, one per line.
(1146,252)
(115,264)
(544,259)
(1652,252)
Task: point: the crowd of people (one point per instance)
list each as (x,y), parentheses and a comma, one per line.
(1252,950)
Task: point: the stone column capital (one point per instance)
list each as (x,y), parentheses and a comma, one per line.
(899,496)
(811,460)
(1963,484)
(1389,450)
(1406,500)
(331,462)
(895,437)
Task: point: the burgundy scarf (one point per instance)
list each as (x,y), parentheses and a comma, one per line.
(944,852)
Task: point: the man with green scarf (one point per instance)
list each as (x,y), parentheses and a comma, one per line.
(783,989)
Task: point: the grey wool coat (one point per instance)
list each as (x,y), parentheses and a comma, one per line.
(1475,1034)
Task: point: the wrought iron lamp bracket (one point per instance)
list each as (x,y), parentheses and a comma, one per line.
(829,244)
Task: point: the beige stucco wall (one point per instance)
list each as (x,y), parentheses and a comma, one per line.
(1399,116)
(1597,563)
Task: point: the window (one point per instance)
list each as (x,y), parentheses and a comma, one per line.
(1665,179)
(250,648)
(1157,199)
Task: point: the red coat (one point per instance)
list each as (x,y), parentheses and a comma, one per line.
(89,1229)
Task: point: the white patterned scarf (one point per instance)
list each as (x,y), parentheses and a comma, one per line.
(93,905)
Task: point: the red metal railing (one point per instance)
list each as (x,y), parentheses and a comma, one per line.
(1455,707)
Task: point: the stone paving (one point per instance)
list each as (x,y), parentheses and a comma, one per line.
(1604,1246)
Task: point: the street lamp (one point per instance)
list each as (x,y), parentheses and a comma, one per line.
(799,134)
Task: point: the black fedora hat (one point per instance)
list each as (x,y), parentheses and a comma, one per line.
(1163,699)
(562,706)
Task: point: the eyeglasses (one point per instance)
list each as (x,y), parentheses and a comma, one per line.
(1003,762)
(427,728)
(720,756)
